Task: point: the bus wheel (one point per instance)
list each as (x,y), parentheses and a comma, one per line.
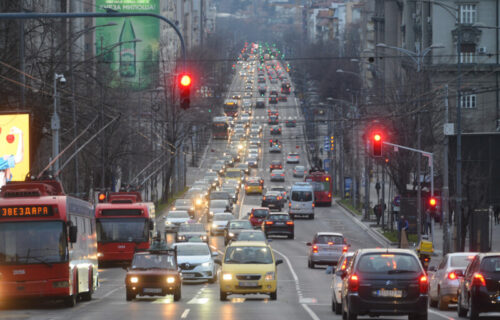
(70,301)
(87,296)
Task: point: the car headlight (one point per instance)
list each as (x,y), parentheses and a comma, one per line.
(214,225)
(170,279)
(99,254)
(168,222)
(192,209)
(206,264)
(198,201)
(180,238)
(227,276)
(211,213)
(269,276)
(204,238)
(231,234)
(134,279)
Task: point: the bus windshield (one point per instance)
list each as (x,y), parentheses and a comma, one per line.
(33,242)
(320,185)
(122,230)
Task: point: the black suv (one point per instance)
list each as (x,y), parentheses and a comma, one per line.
(278,224)
(384,282)
(272,200)
(479,288)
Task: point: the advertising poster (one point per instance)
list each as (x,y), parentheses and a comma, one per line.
(14,147)
(127,48)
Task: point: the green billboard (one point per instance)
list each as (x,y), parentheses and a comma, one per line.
(127,48)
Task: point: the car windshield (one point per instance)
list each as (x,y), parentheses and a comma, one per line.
(278,172)
(233,174)
(302,196)
(293,154)
(192,227)
(240,225)
(218,204)
(299,168)
(182,202)
(251,236)
(242,166)
(33,242)
(278,217)
(192,250)
(178,214)
(490,264)
(253,183)
(218,195)
(223,217)
(122,230)
(150,261)
(460,261)
(327,239)
(388,263)
(260,213)
(248,255)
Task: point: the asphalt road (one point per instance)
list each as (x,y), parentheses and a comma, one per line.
(303,293)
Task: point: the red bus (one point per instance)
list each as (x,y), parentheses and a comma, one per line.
(47,243)
(322,186)
(231,108)
(220,128)
(123,225)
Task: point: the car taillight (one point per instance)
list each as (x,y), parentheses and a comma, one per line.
(282,174)
(289,204)
(478,280)
(263,198)
(279,198)
(290,223)
(452,275)
(344,265)
(329,195)
(344,249)
(315,248)
(269,222)
(251,216)
(313,205)
(423,284)
(353,283)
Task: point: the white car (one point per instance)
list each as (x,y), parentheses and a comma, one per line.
(299,171)
(337,281)
(174,219)
(196,262)
(219,222)
(293,158)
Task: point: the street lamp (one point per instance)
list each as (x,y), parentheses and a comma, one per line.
(56,122)
(416,56)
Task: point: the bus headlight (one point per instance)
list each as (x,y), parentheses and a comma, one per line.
(134,279)
(170,280)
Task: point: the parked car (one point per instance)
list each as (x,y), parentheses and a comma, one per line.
(385,281)
(479,286)
(326,248)
(444,279)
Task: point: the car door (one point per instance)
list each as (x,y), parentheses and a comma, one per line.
(467,282)
(437,276)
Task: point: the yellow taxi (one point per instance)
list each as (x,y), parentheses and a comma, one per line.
(254,185)
(234,174)
(248,267)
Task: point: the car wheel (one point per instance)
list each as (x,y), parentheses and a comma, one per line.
(336,307)
(433,303)
(350,315)
(177,294)
(310,264)
(223,296)
(460,310)
(422,316)
(474,310)
(311,216)
(274,295)
(130,296)
(442,303)
(290,236)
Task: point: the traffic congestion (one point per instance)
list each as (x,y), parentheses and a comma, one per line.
(258,234)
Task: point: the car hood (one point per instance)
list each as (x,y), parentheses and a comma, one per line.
(193,259)
(220,222)
(248,268)
(177,220)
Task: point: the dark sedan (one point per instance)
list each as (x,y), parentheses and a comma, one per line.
(278,224)
(272,200)
(385,282)
(234,227)
(276,130)
(478,291)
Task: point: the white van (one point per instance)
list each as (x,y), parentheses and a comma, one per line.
(301,200)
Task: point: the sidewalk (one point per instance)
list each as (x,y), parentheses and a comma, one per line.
(376,232)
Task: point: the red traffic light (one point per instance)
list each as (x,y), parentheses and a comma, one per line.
(377,137)
(432,202)
(377,145)
(185,80)
(101,197)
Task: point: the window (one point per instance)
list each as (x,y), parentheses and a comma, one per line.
(468,101)
(468,13)
(467,57)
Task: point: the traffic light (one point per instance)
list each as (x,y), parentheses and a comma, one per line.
(432,203)
(185,90)
(331,143)
(101,197)
(377,144)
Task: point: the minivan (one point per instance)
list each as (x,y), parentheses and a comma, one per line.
(301,200)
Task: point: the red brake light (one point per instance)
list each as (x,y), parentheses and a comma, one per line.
(423,284)
(344,265)
(478,280)
(264,198)
(353,283)
(315,248)
(289,204)
(269,222)
(329,195)
(313,205)
(452,275)
(344,249)
(290,223)
(330,243)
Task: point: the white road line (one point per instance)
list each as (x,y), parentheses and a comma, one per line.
(310,312)
(185,314)
(442,315)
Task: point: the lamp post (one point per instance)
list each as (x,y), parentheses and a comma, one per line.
(55,122)
(418,58)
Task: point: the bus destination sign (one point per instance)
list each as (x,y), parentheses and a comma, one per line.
(26,211)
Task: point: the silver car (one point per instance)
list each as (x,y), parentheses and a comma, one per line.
(444,281)
(196,262)
(337,281)
(174,219)
(326,249)
(219,222)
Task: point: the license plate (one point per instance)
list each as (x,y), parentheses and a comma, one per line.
(188,275)
(152,290)
(389,293)
(248,284)
(280,223)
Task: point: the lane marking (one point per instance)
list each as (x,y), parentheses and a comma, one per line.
(439,314)
(185,314)
(309,311)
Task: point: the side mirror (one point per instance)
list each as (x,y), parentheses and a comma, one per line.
(269,240)
(72,234)
(329,270)
(279,261)
(434,269)
(309,244)
(248,214)
(218,261)
(341,273)
(151,224)
(215,254)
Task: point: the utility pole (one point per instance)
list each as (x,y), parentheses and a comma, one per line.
(446,191)
(458,195)
(367,181)
(56,122)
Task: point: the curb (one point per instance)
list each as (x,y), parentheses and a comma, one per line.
(375,234)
